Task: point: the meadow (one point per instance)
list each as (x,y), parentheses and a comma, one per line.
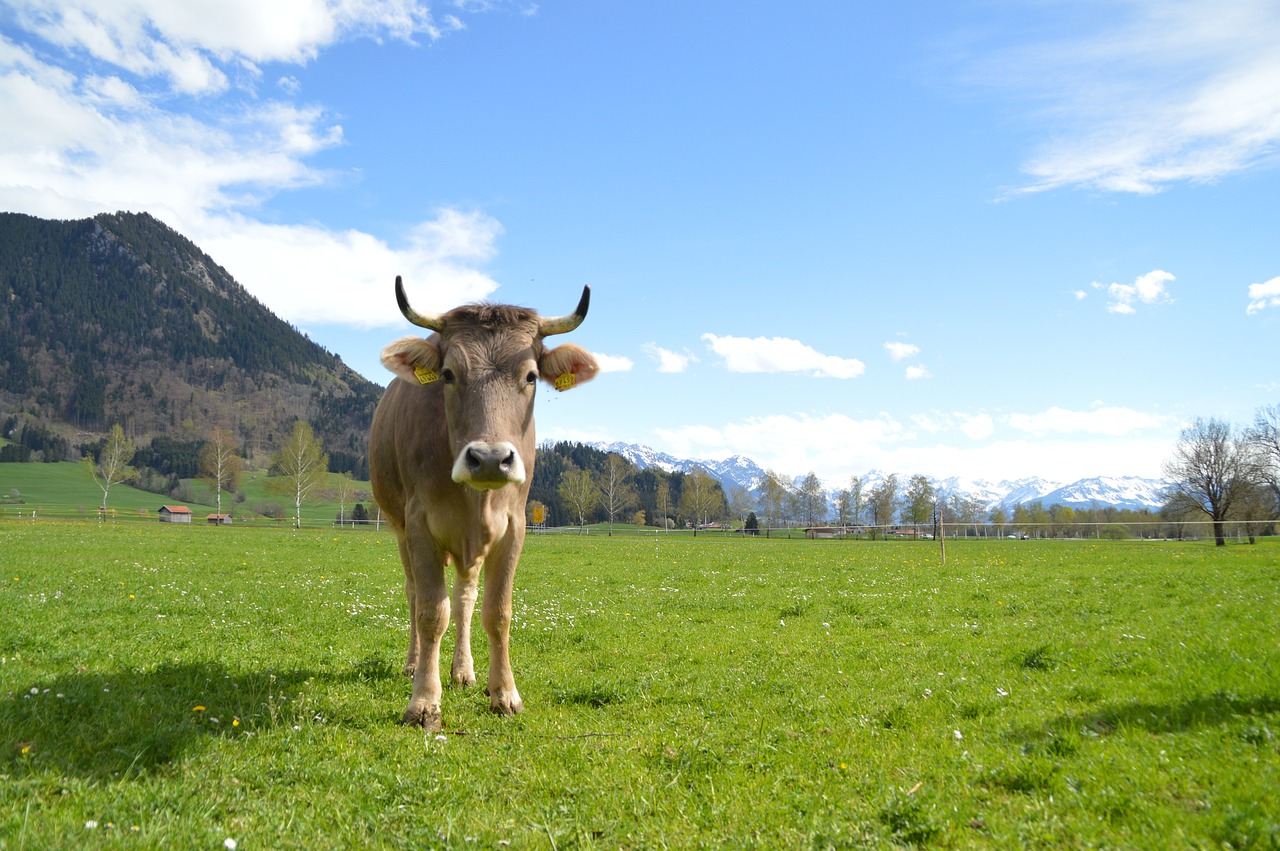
(182,687)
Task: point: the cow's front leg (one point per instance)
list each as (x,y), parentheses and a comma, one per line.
(431,618)
(495,612)
(411,657)
(463,672)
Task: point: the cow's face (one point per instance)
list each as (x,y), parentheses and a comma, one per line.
(488,378)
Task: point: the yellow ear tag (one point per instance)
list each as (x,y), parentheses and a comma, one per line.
(565,381)
(424,375)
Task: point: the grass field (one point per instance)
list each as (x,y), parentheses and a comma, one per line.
(65,490)
(181,687)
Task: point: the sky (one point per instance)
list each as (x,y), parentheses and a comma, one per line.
(996,241)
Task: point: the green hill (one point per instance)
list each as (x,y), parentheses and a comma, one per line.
(120,319)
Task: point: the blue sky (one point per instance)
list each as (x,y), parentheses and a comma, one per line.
(997,240)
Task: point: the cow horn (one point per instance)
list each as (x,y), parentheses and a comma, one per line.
(434,321)
(549,325)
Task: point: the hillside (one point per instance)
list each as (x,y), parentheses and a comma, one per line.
(119,318)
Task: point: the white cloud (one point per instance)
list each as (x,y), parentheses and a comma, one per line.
(1146,289)
(977,426)
(1080,295)
(1263,295)
(1100,420)
(312,274)
(779,354)
(1170,91)
(667,360)
(914,373)
(901,351)
(614,363)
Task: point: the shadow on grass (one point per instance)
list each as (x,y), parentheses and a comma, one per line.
(1206,711)
(136,722)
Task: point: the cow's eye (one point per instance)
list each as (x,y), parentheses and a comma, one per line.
(448,376)
(531,378)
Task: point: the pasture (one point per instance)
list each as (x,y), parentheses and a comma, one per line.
(178,687)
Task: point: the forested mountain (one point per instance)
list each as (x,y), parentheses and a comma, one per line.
(120,319)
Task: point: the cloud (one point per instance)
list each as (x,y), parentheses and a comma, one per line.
(977,426)
(1146,289)
(1080,295)
(78,142)
(915,373)
(311,274)
(1264,295)
(779,354)
(900,351)
(667,360)
(1101,420)
(613,363)
(1163,92)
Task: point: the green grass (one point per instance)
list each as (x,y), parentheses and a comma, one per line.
(65,490)
(192,685)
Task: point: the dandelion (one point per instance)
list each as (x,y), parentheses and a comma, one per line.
(235,722)
(229,844)
(197,709)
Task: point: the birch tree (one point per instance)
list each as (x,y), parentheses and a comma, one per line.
(303,464)
(112,465)
(219,462)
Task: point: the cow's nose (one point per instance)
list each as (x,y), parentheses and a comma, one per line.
(489,465)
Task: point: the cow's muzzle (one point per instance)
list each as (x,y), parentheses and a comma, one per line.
(488,466)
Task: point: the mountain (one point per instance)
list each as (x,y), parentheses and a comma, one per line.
(736,471)
(1116,491)
(120,319)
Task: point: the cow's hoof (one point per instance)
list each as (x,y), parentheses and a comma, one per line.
(428,718)
(505,706)
(463,679)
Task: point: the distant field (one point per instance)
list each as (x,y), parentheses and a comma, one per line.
(65,490)
(177,687)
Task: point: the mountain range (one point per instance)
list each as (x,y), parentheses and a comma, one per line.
(1117,491)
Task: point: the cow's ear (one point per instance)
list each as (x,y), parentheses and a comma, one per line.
(567,366)
(414,359)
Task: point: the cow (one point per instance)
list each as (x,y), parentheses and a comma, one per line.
(451,455)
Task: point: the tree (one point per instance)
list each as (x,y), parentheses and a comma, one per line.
(303,464)
(219,463)
(345,492)
(813,502)
(752,525)
(1264,438)
(617,494)
(919,500)
(741,502)
(662,495)
(882,501)
(112,466)
(579,492)
(773,498)
(699,497)
(1210,467)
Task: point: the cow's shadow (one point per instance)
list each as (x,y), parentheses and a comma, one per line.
(135,722)
(1211,710)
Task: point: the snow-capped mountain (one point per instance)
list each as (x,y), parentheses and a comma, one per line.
(1118,491)
(736,470)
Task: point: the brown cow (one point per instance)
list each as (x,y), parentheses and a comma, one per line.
(451,455)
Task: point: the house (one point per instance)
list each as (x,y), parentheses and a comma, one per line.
(175,514)
(219,519)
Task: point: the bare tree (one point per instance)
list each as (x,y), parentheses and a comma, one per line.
(663,496)
(883,501)
(617,494)
(112,466)
(919,500)
(813,502)
(698,497)
(303,464)
(1210,467)
(219,462)
(345,492)
(579,492)
(1264,437)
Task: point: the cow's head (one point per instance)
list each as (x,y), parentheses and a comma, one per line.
(486,360)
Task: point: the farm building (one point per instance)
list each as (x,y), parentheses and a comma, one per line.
(219,519)
(175,514)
